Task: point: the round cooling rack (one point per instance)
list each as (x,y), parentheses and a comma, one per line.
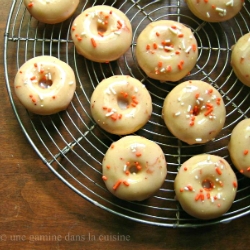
(72,145)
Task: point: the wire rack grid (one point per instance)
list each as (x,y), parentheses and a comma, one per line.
(73,146)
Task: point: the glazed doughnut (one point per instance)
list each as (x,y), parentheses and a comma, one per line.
(240,59)
(121,104)
(51,11)
(45,85)
(194,112)
(239,147)
(166,50)
(102,33)
(134,168)
(214,10)
(205,186)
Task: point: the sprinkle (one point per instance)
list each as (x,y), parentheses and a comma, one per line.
(208,15)
(138,154)
(218,171)
(177,113)
(126,183)
(93,41)
(235,184)
(117,184)
(30,5)
(104,177)
(188,49)
(245,152)
(194,47)
(155,45)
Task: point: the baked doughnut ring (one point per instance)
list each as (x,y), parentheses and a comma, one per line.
(194,112)
(102,33)
(45,85)
(240,59)
(51,11)
(205,186)
(213,10)
(121,104)
(239,147)
(166,50)
(134,168)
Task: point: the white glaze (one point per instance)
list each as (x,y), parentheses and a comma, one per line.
(194,112)
(205,186)
(239,147)
(51,11)
(214,10)
(121,104)
(166,50)
(102,33)
(31,90)
(240,59)
(134,168)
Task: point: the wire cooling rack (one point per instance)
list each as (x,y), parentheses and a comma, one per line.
(73,146)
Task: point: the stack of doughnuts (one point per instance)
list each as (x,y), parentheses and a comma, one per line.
(193,111)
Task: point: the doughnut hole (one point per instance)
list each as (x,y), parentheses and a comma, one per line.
(123,101)
(45,82)
(207,184)
(134,168)
(101,27)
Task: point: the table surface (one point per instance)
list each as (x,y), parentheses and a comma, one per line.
(38,211)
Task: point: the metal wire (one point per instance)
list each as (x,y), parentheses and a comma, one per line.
(73,146)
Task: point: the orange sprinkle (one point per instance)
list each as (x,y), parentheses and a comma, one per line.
(213,6)
(235,184)
(155,45)
(126,183)
(104,177)
(117,184)
(100,34)
(30,5)
(148,47)
(177,52)
(157,34)
(180,35)
(169,68)
(191,123)
(127,172)
(114,117)
(119,23)
(113,145)
(197,96)
(218,170)
(190,188)
(93,41)
(108,166)
(33,78)
(185,168)
(35,65)
(208,112)
(160,64)
(194,47)
(138,154)
(248,169)
(181,190)
(245,152)
(73,28)
(197,197)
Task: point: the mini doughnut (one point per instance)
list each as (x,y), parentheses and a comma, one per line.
(121,104)
(102,33)
(45,85)
(205,186)
(166,50)
(239,147)
(134,168)
(194,112)
(51,11)
(214,10)
(240,59)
